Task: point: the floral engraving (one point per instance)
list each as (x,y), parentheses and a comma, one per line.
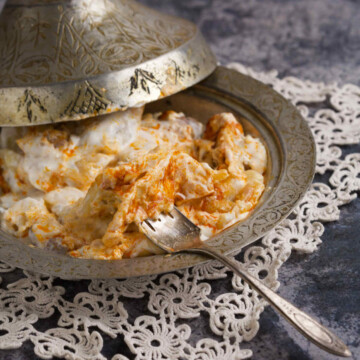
(88,100)
(32,105)
(140,79)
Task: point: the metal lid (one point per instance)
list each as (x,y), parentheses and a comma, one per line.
(72,59)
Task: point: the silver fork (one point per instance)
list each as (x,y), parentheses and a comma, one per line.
(174,233)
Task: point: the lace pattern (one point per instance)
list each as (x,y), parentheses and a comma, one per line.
(169,301)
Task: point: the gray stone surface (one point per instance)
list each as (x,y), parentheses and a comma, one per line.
(311,39)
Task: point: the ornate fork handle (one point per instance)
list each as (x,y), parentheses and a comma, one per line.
(304,323)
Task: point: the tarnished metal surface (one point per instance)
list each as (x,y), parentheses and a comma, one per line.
(69,59)
(263,113)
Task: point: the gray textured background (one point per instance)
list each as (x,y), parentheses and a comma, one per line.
(317,40)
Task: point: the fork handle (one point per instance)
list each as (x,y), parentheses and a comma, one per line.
(305,324)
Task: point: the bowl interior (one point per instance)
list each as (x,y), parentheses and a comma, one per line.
(200,103)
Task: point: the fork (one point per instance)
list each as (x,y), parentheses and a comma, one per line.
(175,233)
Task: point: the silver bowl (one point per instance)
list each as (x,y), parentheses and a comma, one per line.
(291,158)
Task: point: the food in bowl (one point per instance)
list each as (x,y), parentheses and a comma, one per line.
(84,187)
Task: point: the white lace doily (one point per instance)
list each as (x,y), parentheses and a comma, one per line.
(169,303)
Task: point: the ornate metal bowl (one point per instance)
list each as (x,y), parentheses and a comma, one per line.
(71,59)
(291,156)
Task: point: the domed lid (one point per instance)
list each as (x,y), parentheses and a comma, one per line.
(72,59)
